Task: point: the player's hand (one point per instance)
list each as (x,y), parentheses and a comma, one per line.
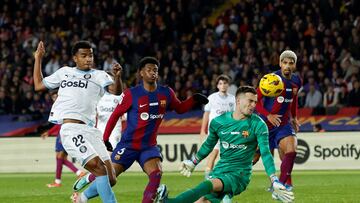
(40,51)
(281,193)
(274,119)
(296,124)
(116,69)
(187,167)
(108,146)
(200,98)
(44,135)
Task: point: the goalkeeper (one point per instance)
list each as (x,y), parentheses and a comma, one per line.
(239,132)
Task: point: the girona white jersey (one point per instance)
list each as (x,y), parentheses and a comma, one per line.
(105,107)
(219,104)
(78,94)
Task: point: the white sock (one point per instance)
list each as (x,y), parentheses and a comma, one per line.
(83,198)
(57,181)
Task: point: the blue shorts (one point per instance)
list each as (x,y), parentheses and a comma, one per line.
(58,146)
(278,133)
(127,156)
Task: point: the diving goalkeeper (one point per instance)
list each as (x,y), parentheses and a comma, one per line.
(239,133)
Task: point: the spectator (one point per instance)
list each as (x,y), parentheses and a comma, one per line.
(313,97)
(354,95)
(330,97)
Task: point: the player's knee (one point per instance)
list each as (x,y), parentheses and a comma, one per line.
(96,166)
(112,181)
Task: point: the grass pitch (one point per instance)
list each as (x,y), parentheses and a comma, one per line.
(310,186)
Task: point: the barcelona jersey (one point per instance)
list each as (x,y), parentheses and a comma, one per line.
(145,112)
(285,104)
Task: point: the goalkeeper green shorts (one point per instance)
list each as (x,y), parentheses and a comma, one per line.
(234,183)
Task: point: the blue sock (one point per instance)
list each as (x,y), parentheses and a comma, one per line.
(91,191)
(104,189)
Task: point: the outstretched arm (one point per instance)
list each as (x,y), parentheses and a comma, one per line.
(185,106)
(38,77)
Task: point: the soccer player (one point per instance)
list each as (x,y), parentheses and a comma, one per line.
(80,88)
(239,133)
(219,102)
(104,109)
(145,105)
(61,155)
(280,115)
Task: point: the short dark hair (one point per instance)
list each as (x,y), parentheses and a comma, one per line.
(245,89)
(80,45)
(146,60)
(223,77)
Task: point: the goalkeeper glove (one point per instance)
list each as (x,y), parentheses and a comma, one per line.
(200,98)
(188,166)
(280,192)
(108,145)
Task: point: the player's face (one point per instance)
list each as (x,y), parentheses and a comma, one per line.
(223,86)
(246,103)
(150,73)
(84,59)
(287,66)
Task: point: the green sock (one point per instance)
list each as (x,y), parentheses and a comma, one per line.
(194,194)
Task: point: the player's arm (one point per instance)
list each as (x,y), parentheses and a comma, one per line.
(294,108)
(204,124)
(185,106)
(279,189)
(117,72)
(188,166)
(274,119)
(37,74)
(123,106)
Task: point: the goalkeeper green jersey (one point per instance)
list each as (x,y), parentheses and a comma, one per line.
(238,142)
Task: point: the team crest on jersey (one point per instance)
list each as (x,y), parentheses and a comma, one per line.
(116,101)
(163,103)
(87,76)
(83,149)
(245,134)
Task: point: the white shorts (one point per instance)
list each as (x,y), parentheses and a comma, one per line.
(114,138)
(83,142)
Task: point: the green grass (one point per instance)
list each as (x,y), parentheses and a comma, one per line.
(310,186)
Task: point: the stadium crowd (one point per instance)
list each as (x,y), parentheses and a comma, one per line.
(244,43)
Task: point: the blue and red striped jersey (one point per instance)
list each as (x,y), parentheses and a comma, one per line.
(145,112)
(285,104)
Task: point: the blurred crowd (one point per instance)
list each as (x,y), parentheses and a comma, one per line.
(244,43)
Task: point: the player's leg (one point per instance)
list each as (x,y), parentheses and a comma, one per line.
(84,143)
(59,163)
(287,145)
(288,183)
(70,165)
(197,193)
(150,161)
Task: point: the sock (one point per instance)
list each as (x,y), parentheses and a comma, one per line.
(58,181)
(59,166)
(287,166)
(289,181)
(91,177)
(91,191)
(104,189)
(151,188)
(70,165)
(194,194)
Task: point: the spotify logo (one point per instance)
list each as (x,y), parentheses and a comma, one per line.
(302,152)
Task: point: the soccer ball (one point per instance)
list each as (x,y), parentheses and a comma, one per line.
(271,85)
